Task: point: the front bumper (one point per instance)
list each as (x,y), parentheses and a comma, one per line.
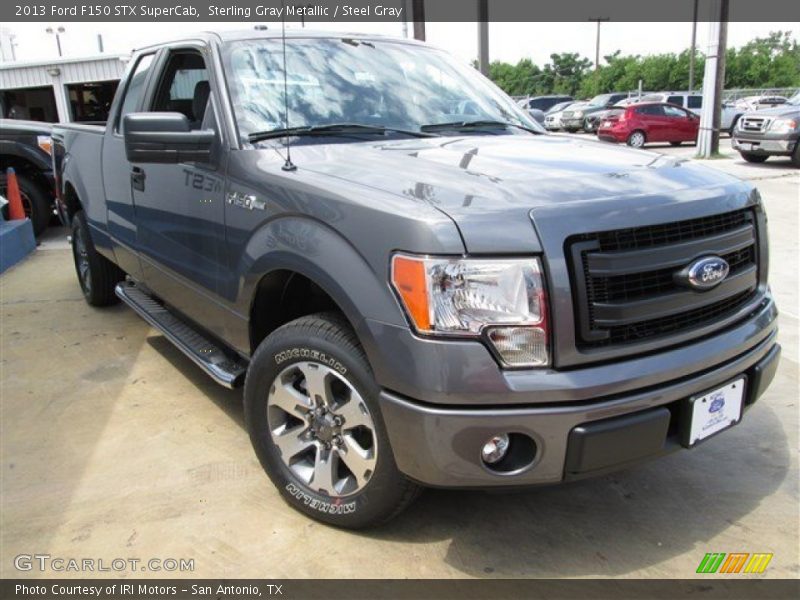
(764,145)
(440,446)
(572,123)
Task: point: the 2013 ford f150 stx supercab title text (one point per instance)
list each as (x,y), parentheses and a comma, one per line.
(414,283)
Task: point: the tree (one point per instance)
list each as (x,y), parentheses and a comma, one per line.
(772,61)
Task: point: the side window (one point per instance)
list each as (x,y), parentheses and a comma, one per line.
(675,100)
(135,89)
(695,102)
(651,110)
(184,87)
(674,113)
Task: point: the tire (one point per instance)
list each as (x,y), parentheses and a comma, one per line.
(571,130)
(754,158)
(636,139)
(36,202)
(796,155)
(97,275)
(324,346)
(675,144)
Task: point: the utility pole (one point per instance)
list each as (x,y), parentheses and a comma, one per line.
(713,81)
(483,36)
(693,51)
(418,16)
(598,20)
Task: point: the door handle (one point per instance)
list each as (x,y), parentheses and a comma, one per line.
(137,178)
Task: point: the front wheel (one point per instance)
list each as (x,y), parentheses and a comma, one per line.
(754,158)
(311,407)
(636,139)
(675,144)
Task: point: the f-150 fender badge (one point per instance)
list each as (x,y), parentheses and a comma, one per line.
(247,201)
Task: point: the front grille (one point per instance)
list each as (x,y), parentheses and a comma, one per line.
(626,284)
(758,124)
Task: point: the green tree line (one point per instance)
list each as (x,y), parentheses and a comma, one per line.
(772,61)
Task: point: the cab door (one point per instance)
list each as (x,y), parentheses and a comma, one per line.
(180,207)
(115,168)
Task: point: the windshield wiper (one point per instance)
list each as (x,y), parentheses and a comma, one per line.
(480,124)
(332,129)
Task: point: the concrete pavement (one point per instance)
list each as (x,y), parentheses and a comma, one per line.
(114,445)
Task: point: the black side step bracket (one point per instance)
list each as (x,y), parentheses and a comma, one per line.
(221,366)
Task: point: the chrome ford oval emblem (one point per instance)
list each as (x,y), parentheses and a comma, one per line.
(704,273)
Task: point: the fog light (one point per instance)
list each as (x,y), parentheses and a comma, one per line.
(495,448)
(521,346)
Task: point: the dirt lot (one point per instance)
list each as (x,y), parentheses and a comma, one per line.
(114,445)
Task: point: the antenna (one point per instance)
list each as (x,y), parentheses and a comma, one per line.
(288,165)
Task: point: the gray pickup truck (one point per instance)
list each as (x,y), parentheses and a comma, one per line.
(770,132)
(412,296)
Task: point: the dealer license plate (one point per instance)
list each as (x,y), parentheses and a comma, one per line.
(715,411)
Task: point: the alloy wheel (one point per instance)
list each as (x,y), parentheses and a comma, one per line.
(82,260)
(323,429)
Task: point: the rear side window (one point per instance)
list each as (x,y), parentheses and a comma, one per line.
(135,88)
(652,110)
(675,100)
(695,102)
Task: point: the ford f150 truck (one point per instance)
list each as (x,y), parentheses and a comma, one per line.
(410,295)
(770,132)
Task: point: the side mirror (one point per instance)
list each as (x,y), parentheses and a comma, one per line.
(165,137)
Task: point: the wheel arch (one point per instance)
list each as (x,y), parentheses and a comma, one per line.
(305,266)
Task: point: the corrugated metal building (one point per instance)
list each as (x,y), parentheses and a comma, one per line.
(66,89)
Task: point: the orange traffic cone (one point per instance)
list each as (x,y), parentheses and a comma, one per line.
(15,210)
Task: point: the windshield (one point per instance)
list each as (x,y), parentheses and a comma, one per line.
(600,100)
(379,83)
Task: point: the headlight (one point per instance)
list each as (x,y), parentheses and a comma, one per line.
(502,301)
(783,125)
(578,114)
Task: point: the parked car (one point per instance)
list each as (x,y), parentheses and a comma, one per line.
(647,122)
(25,146)
(755,103)
(693,101)
(552,118)
(770,132)
(543,103)
(592,121)
(408,297)
(573,120)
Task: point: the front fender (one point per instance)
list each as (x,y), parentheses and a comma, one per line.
(317,251)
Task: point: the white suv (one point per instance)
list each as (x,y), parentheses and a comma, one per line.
(693,101)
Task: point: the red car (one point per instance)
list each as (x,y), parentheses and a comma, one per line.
(639,124)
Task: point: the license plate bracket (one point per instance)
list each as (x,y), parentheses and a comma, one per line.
(713,411)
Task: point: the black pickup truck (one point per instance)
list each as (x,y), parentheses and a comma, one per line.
(414,283)
(25,146)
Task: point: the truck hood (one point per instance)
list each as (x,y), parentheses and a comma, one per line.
(785,110)
(490,185)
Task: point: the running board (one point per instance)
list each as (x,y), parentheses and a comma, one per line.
(218,364)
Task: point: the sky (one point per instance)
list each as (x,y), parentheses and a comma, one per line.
(509,42)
